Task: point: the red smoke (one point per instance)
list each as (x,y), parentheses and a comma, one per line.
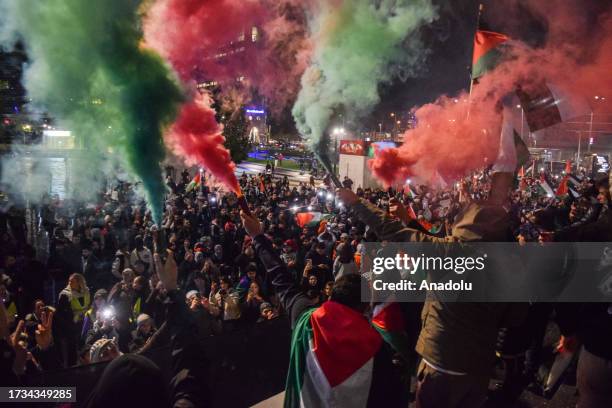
(200,38)
(448,143)
(196,136)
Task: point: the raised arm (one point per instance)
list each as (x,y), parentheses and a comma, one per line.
(385,227)
(285,286)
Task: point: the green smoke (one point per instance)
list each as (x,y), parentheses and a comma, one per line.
(356,45)
(89,70)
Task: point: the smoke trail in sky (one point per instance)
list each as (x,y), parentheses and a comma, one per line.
(355,43)
(197,138)
(88,68)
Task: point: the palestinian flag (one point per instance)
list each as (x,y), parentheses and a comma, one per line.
(563,189)
(513,152)
(531,169)
(545,187)
(195,183)
(409,191)
(546,105)
(574,180)
(332,357)
(411,212)
(310,218)
(426,224)
(388,320)
(574,193)
(487,52)
(521,176)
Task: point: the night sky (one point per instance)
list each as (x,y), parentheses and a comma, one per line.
(449,42)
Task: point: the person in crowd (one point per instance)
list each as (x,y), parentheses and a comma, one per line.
(252,304)
(345,261)
(121,261)
(9,303)
(73,302)
(91,316)
(141,253)
(227,300)
(145,329)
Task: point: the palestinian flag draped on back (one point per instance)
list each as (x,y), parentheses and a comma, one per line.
(332,358)
(487,52)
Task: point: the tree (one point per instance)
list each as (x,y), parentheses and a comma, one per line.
(235,132)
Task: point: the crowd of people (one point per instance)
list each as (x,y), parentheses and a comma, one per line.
(109,283)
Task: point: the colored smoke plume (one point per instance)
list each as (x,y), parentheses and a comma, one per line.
(197,138)
(247,46)
(88,70)
(355,44)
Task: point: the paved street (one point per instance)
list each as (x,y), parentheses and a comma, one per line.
(254,168)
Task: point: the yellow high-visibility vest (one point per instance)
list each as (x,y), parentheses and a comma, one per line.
(78,310)
(136,309)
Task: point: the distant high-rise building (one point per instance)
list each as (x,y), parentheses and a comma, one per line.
(12,92)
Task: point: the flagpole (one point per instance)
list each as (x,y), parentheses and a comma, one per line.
(480,10)
(578,158)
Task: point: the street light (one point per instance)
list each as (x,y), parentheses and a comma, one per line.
(380,127)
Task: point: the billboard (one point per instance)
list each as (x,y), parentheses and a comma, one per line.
(380,146)
(352,147)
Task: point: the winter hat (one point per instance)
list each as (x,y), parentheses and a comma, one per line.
(95,352)
(142,318)
(191,294)
(101,293)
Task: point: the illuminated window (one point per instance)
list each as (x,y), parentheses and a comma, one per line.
(254,34)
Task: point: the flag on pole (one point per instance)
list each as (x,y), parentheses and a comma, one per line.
(512,150)
(487,52)
(195,183)
(411,212)
(546,104)
(332,358)
(531,169)
(563,189)
(409,191)
(574,193)
(574,180)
